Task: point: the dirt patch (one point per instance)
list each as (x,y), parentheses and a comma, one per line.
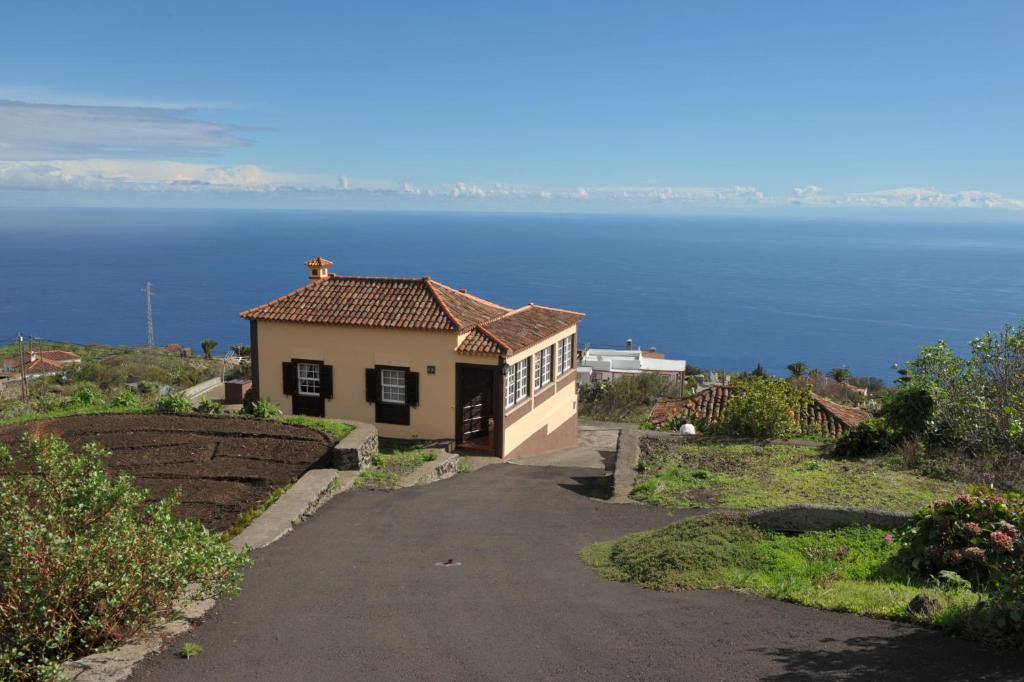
(224,465)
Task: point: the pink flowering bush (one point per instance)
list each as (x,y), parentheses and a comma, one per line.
(977,537)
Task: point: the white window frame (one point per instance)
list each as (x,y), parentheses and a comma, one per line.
(517,383)
(307,379)
(542,368)
(565,354)
(392,386)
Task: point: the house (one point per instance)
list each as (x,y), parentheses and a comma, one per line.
(39,363)
(709,404)
(419,359)
(603,364)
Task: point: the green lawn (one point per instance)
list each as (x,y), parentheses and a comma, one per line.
(335,429)
(388,467)
(750,476)
(851,569)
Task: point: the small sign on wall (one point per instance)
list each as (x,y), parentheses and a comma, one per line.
(431,369)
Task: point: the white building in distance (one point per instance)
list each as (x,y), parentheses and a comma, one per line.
(608,364)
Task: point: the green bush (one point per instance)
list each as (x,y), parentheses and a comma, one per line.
(126,400)
(87,395)
(628,398)
(978,400)
(908,410)
(262,409)
(763,407)
(207,406)
(976,537)
(871,438)
(175,402)
(85,562)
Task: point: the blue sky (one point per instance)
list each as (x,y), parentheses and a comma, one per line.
(676,106)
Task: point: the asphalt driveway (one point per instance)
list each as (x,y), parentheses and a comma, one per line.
(361,591)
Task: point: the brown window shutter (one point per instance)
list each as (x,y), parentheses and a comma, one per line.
(412,388)
(288,377)
(326,382)
(572,354)
(372,384)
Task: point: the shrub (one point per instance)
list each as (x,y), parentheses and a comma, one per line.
(207,406)
(908,411)
(175,402)
(262,409)
(86,562)
(126,400)
(763,407)
(627,398)
(871,438)
(87,395)
(978,400)
(975,537)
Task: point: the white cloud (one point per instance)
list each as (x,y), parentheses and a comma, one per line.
(907,197)
(143,175)
(41,131)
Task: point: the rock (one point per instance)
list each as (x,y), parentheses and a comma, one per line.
(923,605)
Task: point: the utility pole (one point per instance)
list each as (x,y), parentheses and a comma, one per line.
(150,338)
(21,358)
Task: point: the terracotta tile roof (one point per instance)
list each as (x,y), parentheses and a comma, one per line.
(411,303)
(319,262)
(528,325)
(709,404)
(479,343)
(396,302)
(57,357)
(848,415)
(41,366)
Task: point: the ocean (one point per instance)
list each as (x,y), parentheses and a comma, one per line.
(721,293)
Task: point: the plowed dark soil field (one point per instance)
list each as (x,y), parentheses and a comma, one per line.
(224,465)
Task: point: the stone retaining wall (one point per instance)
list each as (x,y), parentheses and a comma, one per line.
(429,472)
(355,450)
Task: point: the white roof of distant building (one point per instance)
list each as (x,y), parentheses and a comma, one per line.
(628,361)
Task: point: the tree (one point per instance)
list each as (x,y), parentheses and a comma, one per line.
(797,369)
(208,345)
(839,374)
(758,371)
(242,350)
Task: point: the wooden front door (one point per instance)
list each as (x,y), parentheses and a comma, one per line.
(475,401)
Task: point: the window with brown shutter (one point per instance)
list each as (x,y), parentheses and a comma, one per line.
(288,378)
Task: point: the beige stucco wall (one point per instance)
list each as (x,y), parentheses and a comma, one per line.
(548,414)
(350,351)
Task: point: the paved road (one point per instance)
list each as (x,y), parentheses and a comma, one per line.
(356,593)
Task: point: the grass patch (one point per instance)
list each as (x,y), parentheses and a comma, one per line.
(331,427)
(751,476)
(70,411)
(248,516)
(850,569)
(387,468)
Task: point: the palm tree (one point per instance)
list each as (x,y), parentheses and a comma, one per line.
(242,350)
(208,345)
(839,374)
(797,369)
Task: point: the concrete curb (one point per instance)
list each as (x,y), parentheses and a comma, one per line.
(194,393)
(118,664)
(626,457)
(430,472)
(301,501)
